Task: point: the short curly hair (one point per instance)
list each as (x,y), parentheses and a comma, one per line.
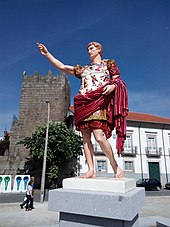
(98,45)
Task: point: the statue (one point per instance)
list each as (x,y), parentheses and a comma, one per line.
(100,106)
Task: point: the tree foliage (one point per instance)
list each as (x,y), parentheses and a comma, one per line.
(4,144)
(63,144)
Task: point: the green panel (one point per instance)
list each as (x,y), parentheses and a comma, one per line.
(154,170)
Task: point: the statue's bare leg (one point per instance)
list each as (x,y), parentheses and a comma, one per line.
(107,149)
(89,153)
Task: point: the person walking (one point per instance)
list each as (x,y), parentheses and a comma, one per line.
(29,196)
(32,179)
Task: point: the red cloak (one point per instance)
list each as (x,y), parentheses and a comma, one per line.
(116,105)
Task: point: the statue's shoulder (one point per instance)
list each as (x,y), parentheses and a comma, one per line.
(78,70)
(109,62)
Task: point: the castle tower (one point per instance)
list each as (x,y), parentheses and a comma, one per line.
(36,90)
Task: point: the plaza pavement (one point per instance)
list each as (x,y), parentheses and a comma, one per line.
(12,216)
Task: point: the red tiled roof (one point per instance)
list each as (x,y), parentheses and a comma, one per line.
(142,117)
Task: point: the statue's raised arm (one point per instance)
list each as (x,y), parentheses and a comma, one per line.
(58,64)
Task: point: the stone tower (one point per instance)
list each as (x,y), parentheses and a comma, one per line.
(36,90)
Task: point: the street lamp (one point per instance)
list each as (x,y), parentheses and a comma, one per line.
(45,155)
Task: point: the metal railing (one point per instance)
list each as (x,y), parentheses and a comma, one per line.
(130,151)
(153,152)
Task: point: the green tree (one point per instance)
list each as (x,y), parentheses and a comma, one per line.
(63,144)
(4,144)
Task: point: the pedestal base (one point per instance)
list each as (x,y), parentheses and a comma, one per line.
(85,208)
(76,220)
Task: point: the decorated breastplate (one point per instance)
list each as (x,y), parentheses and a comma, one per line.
(94,76)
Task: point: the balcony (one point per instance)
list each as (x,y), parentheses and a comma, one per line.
(130,152)
(153,152)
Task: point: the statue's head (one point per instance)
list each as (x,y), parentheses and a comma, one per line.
(97,45)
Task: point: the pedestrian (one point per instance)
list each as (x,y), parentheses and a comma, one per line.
(32,179)
(29,196)
(100,106)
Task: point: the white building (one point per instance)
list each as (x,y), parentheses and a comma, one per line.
(146,153)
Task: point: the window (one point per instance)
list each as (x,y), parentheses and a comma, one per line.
(101,166)
(128,143)
(129,166)
(97,148)
(169,143)
(151,144)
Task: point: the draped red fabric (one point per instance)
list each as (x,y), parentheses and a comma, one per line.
(116,105)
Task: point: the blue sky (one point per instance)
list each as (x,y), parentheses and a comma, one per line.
(134,33)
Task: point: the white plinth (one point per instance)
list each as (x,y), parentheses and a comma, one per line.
(101,184)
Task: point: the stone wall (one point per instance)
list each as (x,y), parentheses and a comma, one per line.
(36,90)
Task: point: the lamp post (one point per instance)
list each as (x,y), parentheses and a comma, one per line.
(45,155)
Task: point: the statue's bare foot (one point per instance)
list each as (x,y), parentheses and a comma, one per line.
(89,174)
(119,172)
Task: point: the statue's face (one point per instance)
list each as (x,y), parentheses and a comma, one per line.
(93,51)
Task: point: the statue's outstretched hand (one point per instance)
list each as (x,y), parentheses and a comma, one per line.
(43,50)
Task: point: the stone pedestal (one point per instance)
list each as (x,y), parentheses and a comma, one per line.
(97,202)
